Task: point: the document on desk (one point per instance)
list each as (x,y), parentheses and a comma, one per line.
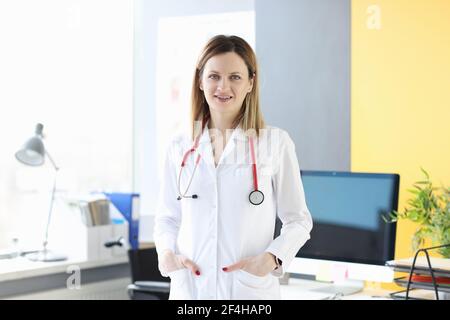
(419,294)
(437,264)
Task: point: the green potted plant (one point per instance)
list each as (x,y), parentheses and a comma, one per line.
(430,208)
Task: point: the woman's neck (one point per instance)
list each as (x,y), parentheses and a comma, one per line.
(221,123)
(218,126)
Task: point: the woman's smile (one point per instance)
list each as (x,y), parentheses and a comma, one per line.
(223,98)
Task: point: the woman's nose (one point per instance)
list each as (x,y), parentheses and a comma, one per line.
(223,83)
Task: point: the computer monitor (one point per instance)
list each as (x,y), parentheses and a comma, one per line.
(349,234)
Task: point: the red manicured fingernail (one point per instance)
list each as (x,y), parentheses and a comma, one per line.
(197,272)
(225,269)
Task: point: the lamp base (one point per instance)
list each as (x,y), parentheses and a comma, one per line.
(46,256)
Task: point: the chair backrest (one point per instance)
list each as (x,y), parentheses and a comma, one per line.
(144,265)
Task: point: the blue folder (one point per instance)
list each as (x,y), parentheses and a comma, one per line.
(128,206)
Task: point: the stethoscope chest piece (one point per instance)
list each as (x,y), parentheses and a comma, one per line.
(256,197)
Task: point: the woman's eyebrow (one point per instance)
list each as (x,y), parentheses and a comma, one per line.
(235,72)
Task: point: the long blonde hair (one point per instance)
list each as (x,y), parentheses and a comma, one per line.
(250,116)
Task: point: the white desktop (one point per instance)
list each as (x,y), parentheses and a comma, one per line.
(300,289)
(312,279)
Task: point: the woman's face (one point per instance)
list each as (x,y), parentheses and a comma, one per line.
(225,83)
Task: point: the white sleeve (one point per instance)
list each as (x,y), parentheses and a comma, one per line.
(291,207)
(168,215)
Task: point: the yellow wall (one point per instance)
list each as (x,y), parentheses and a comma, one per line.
(400,94)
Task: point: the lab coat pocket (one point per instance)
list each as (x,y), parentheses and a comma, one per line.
(180,284)
(251,287)
(243,171)
(266,170)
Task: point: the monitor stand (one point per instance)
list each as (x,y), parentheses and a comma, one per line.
(344,288)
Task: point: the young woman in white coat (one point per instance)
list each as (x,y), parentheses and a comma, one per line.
(223,185)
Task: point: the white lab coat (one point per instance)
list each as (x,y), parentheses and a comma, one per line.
(221,226)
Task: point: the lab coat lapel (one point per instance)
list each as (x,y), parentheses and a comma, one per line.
(228,149)
(231,155)
(205,150)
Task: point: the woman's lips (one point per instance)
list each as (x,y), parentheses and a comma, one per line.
(223,99)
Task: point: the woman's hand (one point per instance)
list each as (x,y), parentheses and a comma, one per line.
(170,261)
(260,265)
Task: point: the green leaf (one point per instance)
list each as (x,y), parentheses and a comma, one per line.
(413,215)
(390,217)
(413,191)
(426,173)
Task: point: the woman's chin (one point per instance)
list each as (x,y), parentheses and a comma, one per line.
(225,108)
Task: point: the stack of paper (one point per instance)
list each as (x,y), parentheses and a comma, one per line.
(439,265)
(95,212)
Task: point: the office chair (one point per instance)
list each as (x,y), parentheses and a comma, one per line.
(147,282)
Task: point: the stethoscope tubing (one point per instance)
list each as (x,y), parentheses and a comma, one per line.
(256,197)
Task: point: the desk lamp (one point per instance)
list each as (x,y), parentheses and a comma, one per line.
(33,154)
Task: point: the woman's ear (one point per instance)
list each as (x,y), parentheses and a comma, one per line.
(251,85)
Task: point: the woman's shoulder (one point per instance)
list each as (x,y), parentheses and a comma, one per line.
(275,134)
(174,146)
(271,129)
(178,139)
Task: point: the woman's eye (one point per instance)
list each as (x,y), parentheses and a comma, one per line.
(235,77)
(214,76)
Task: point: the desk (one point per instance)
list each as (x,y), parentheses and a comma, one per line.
(22,276)
(299,289)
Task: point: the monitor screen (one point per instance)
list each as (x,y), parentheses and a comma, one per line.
(347,211)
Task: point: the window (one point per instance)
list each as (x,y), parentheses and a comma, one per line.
(69,65)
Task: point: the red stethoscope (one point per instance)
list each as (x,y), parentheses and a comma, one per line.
(256,197)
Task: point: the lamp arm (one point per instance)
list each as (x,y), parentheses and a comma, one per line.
(50,212)
(52,161)
(51,201)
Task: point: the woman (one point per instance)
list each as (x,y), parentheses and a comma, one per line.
(225,183)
